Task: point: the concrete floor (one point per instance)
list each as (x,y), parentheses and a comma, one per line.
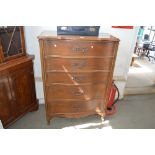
(141,78)
(134,112)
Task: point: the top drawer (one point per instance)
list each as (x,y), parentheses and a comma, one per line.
(80,48)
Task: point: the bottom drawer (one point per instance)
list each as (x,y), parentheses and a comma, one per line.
(62,107)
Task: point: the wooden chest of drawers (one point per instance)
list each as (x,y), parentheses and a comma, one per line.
(77,73)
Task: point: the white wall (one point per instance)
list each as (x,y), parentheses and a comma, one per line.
(126,48)
(32,47)
(127,42)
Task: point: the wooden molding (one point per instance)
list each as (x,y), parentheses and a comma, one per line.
(116,78)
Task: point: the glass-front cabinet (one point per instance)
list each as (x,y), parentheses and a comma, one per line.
(11,42)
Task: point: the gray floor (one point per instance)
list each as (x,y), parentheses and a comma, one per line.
(141,78)
(134,112)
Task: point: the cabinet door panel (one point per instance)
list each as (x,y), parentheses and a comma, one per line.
(23,88)
(6,104)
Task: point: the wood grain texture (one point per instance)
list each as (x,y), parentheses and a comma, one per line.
(17,85)
(77,72)
(78,64)
(17,91)
(80,48)
(74,107)
(79,92)
(76,77)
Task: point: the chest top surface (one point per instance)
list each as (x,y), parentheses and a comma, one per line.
(53,35)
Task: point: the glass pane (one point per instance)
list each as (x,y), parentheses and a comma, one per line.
(10,40)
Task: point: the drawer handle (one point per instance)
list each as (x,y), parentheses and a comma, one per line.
(79,78)
(76,106)
(79,49)
(78,93)
(79,64)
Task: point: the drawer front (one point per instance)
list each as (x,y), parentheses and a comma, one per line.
(78,48)
(61,107)
(78,64)
(75,78)
(79,92)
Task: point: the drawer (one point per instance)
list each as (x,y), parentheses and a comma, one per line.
(75,78)
(80,92)
(78,64)
(61,107)
(78,48)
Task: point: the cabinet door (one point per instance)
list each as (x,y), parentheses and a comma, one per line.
(23,88)
(6,102)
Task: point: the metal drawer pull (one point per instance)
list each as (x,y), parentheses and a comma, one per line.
(79,64)
(77,93)
(76,106)
(79,78)
(79,49)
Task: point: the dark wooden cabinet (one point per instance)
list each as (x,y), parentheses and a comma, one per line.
(6,101)
(77,73)
(17,85)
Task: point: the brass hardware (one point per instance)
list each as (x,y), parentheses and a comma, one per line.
(76,106)
(78,93)
(79,64)
(79,49)
(79,78)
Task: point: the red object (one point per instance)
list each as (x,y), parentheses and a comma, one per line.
(111,101)
(123,27)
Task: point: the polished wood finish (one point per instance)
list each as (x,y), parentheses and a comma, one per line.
(77,64)
(75,92)
(77,73)
(76,77)
(17,87)
(72,48)
(74,107)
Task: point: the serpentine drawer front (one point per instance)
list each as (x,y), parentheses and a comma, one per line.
(78,64)
(85,91)
(77,73)
(76,77)
(78,48)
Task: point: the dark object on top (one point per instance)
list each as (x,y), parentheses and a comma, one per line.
(78,30)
